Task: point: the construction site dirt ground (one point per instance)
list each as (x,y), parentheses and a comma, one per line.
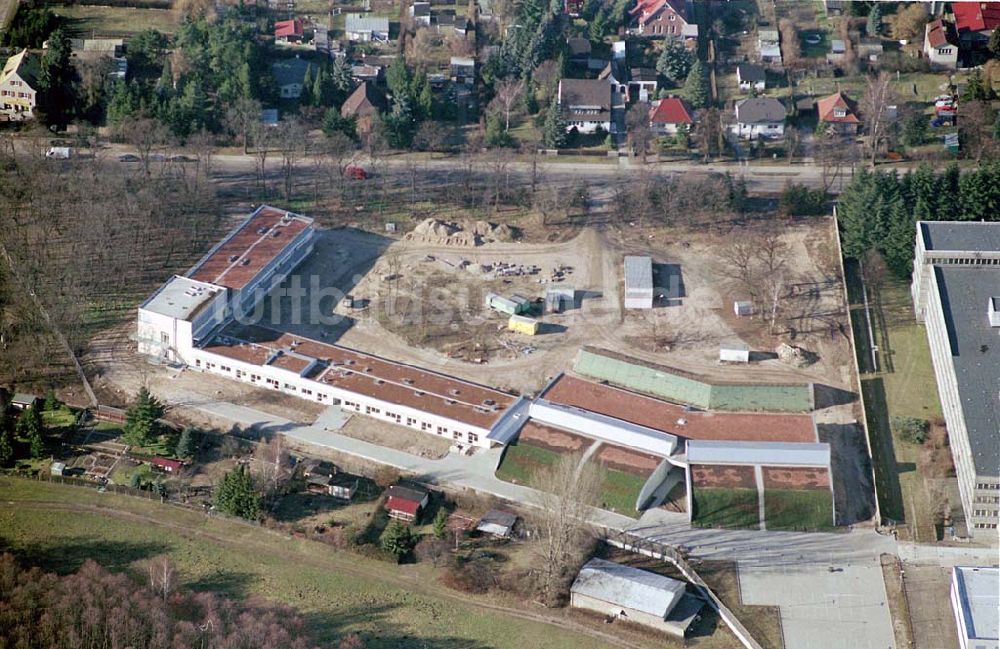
(423,303)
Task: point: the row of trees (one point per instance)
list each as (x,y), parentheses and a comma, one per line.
(878,210)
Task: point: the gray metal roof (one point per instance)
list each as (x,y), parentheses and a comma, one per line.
(638,273)
(766,453)
(979,596)
(965,293)
(968,236)
(629,587)
(750,72)
(756,110)
(365,23)
(603,427)
(505,430)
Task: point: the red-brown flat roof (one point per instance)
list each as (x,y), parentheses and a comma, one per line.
(375,377)
(663,416)
(249,248)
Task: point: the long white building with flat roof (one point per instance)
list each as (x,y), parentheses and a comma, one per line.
(956,294)
(975,601)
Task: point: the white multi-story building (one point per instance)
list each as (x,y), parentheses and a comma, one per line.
(956,294)
(976,604)
(190,321)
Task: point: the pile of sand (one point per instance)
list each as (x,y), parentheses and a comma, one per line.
(448,233)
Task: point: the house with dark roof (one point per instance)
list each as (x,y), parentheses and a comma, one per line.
(420,12)
(18,86)
(941,44)
(660,17)
(579,50)
(759,117)
(669,116)
(751,77)
(406,502)
(585,104)
(288,31)
(363,105)
(642,84)
(289,75)
(839,113)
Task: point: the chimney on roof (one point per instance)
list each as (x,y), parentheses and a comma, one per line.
(682,422)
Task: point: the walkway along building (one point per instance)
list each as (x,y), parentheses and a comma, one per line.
(956,294)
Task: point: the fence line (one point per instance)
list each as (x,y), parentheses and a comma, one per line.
(857,367)
(656,550)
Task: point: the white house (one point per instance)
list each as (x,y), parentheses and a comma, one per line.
(638,282)
(941,44)
(18,84)
(751,77)
(759,117)
(586,104)
(365,27)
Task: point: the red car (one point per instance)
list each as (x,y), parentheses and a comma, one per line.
(355,173)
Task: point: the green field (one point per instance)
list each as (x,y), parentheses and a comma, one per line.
(58,527)
(798,509)
(619,491)
(520,461)
(725,507)
(92,20)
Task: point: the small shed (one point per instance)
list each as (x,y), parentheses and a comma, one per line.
(734,352)
(559,297)
(318,468)
(343,486)
(318,484)
(58,468)
(522,325)
(497,522)
(634,595)
(406,502)
(24,400)
(743,308)
(167,464)
(638,282)
(509,306)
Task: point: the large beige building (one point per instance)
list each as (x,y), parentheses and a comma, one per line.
(956,294)
(19,87)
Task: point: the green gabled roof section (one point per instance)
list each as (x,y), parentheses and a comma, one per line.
(686,388)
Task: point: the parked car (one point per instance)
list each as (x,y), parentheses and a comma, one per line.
(355,173)
(128,157)
(59,152)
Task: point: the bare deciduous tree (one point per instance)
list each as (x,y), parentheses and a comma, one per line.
(241,116)
(879,95)
(639,132)
(292,143)
(162,576)
(271,467)
(507,100)
(567,492)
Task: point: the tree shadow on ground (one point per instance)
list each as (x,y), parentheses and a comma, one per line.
(373,625)
(64,558)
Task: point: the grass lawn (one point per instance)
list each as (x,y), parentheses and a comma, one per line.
(520,461)
(798,509)
(88,20)
(61,418)
(814,50)
(619,491)
(725,507)
(58,527)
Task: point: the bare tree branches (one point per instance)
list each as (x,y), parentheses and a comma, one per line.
(879,95)
(507,100)
(567,493)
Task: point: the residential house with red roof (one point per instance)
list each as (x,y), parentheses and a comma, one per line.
(406,502)
(975,21)
(941,44)
(660,17)
(669,116)
(840,113)
(288,31)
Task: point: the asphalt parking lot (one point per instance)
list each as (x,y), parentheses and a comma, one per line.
(820,609)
